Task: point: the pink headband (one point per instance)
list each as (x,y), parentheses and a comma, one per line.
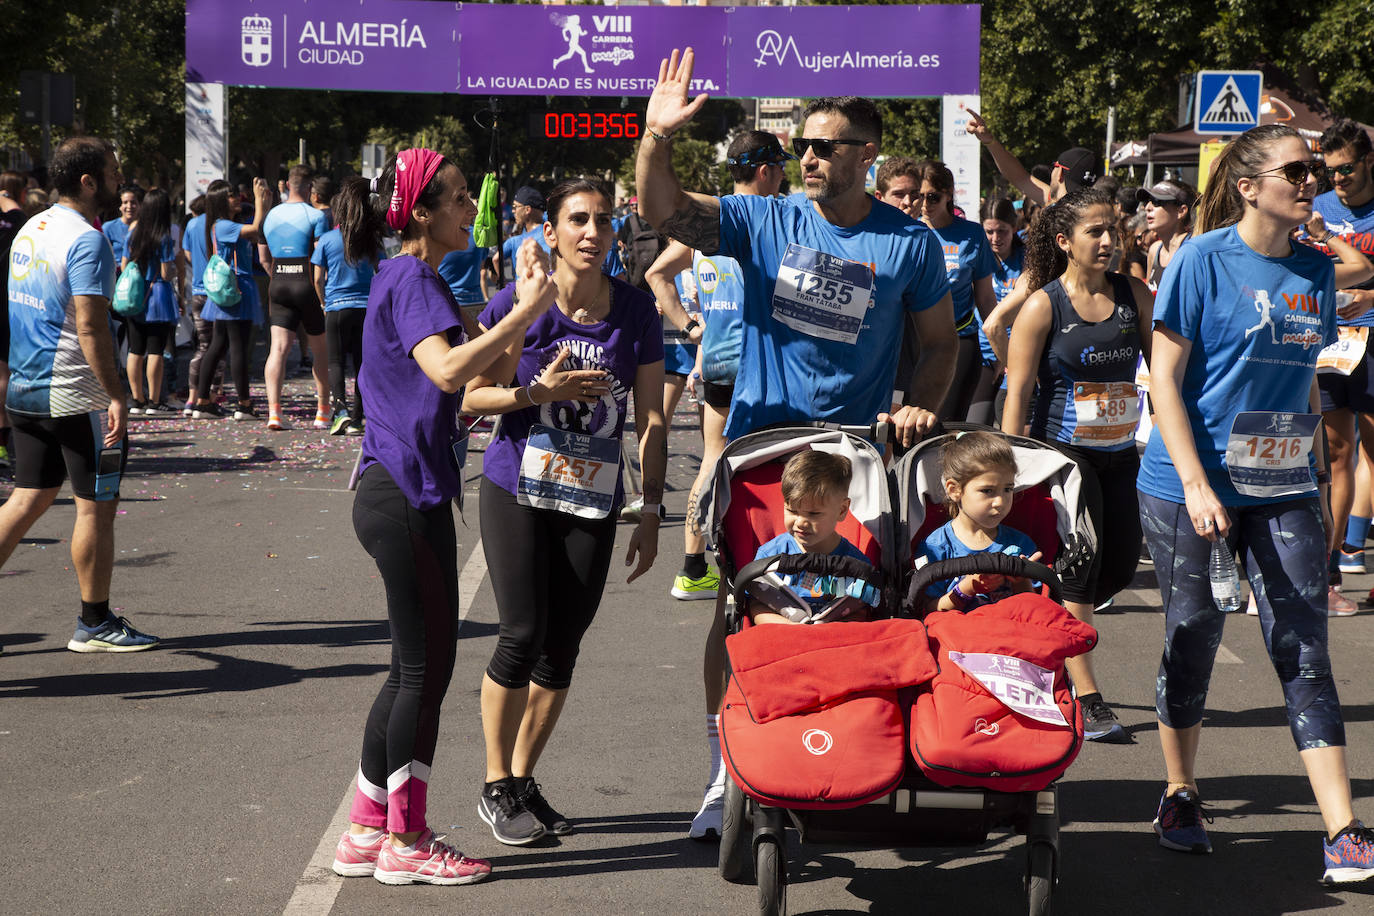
(414,169)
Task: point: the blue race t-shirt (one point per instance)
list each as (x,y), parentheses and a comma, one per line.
(1256,325)
(819,590)
(968,258)
(55,256)
(412,425)
(824,307)
(944,544)
(720,293)
(117,231)
(237,251)
(462,271)
(193,243)
(630,337)
(346,286)
(292,228)
(511,245)
(162,303)
(1356,226)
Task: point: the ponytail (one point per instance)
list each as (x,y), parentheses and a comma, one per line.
(360,225)
(1222,204)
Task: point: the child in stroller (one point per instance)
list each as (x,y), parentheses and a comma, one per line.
(978,470)
(815,488)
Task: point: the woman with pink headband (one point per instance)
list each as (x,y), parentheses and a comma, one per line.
(417,358)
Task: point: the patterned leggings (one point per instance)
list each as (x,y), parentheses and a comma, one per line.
(1283,544)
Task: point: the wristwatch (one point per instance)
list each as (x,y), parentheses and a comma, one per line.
(655,509)
(693,323)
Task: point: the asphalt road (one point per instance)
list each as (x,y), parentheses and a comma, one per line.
(210,775)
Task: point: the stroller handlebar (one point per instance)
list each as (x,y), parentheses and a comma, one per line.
(1003,564)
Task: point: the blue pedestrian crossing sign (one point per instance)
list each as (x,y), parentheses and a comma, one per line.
(1228,101)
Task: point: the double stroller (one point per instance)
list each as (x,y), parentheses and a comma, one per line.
(903,730)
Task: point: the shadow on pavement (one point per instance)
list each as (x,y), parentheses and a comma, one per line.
(229,675)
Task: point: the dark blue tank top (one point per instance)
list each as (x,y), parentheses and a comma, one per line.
(1082,351)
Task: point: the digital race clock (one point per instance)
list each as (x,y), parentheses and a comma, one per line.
(585,125)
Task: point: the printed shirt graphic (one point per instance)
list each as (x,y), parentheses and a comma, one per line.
(292,228)
(631,336)
(1256,325)
(56,255)
(1357,228)
(346,286)
(720,293)
(818,590)
(786,374)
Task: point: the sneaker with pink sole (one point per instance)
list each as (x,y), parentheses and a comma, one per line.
(429,861)
(1337,605)
(356,857)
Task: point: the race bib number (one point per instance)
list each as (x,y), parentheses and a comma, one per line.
(1346,353)
(1107,414)
(569,472)
(1267,453)
(820,295)
(1021,686)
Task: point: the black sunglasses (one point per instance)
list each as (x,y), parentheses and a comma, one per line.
(1296,172)
(1344,170)
(934,197)
(824,148)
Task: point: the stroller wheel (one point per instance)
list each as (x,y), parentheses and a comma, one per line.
(734,835)
(1039,878)
(770,865)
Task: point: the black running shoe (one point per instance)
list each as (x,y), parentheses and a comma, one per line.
(1101,724)
(510,821)
(536,804)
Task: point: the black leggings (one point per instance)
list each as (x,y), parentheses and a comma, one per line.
(204,330)
(548,570)
(343,332)
(417,555)
(1108,483)
(237,336)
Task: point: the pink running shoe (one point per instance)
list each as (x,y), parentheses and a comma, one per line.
(1337,605)
(432,862)
(357,859)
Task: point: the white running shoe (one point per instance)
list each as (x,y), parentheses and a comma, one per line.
(707,821)
(1337,605)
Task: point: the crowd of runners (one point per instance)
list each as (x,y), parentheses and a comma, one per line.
(1226,332)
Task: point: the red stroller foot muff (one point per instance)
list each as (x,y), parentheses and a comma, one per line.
(999,714)
(811,716)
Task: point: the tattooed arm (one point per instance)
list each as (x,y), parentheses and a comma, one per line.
(693,219)
(653,461)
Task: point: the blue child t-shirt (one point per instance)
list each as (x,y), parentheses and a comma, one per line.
(816,589)
(944,544)
(1256,325)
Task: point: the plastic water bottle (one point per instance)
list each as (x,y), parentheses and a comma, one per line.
(1221,569)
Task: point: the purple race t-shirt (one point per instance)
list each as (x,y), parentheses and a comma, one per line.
(630,337)
(412,426)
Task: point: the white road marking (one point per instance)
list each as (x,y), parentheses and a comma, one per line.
(318,885)
(1226,657)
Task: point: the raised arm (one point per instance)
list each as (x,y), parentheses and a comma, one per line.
(1010,167)
(262,202)
(693,219)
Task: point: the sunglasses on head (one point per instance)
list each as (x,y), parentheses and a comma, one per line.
(1344,171)
(824,148)
(1296,172)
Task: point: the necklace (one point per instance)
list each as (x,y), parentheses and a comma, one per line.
(584,315)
